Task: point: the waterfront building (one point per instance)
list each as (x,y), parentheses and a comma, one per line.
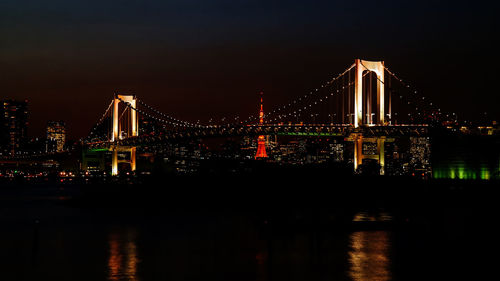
(56,133)
(13,125)
(420,151)
(337,151)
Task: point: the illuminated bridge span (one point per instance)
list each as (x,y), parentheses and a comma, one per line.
(366,102)
(318,130)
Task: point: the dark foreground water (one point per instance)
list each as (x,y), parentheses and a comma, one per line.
(445,235)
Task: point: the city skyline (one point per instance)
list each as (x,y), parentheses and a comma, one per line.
(209,60)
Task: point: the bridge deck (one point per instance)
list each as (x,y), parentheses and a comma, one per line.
(307,130)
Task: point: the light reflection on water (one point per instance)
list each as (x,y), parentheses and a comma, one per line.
(369,256)
(123,260)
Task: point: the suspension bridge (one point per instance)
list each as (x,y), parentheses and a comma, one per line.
(366,102)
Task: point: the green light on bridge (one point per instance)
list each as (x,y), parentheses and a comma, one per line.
(98,149)
(309,134)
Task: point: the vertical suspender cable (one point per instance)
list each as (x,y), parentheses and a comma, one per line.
(365,94)
(349,97)
(390,100)
(370,99)
(343,94)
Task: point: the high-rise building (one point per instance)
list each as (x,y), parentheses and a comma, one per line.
(56,132)
(420,151)
(337,151)
(13,125)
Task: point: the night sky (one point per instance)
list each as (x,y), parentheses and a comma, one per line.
(198,59)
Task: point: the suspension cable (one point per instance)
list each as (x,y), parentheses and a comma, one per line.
(175,124)
(99,122)
(295,101)
(411,89)
(404,84)
(167,116)
(309,106)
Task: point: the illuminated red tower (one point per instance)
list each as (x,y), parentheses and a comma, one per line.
(261,141)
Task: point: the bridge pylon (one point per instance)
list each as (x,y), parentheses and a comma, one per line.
(378,68)
(117,130)
(134,121)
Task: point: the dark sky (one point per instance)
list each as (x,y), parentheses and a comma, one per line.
(197,59)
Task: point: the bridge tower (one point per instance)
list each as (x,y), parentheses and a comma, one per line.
(261,141)
(378,68)
(134,121)
(117,130)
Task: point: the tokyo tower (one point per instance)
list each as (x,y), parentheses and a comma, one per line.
(261,141)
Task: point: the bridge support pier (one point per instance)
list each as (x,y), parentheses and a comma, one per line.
(381,154)
(93,160)
(132,159)
(359,155)
(358,151)
(115,161)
